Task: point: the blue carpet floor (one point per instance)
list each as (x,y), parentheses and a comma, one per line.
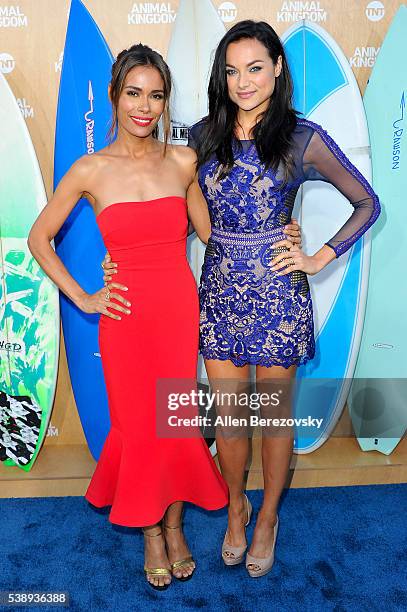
(340,549)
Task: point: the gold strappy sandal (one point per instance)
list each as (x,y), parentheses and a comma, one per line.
(156,571)
(182,562)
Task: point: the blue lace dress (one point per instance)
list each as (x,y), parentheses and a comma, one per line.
(249,314)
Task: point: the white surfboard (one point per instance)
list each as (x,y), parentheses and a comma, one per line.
(195,36)
(326,92)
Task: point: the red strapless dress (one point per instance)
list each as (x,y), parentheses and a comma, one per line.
(140,473)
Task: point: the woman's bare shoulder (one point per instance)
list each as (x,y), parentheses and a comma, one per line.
(183,155)
(87,163)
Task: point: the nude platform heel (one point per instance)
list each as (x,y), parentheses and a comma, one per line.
(264,565)
(236,551)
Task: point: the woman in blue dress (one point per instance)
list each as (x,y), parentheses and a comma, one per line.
(253,154)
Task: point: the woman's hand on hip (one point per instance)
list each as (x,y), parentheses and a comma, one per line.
(99,302)
(293,232)
(109,268)
(295,259)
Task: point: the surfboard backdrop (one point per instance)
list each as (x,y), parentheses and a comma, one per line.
(326,92)
(83,116)
(195,36)
(29,311)
(378,398)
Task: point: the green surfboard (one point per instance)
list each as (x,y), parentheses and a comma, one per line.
(29,308)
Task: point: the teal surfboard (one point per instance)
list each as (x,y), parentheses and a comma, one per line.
(378,398)
(326,92)
(29,310)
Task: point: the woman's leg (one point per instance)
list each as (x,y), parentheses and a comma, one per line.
(232,443)
(155,554)
(277,446)
(176,545)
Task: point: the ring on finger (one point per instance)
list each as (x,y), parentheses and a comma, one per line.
(107,295)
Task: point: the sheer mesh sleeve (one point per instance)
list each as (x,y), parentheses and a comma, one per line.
(323,160)
(192,142)
(192,134)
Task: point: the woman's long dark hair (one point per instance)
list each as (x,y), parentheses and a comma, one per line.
(273,131)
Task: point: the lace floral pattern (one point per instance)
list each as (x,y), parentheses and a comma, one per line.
(249,314)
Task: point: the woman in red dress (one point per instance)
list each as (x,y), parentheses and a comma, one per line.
(142,192)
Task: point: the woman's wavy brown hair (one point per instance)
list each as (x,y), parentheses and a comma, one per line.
(139,55)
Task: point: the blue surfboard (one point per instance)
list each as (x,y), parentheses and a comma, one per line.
(83,116)
(326,92)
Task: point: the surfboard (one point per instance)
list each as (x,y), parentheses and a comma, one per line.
(83,115)
(195,36)
(326,92)
(378,398)
(29,310)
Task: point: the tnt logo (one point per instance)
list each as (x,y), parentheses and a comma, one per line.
(375,11)
(7,63)
(227,12)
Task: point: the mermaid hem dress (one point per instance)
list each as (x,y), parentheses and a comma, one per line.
(248,313)
(140,473)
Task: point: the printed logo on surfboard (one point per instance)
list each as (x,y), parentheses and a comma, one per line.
(11,16)
(227,12)
(364,57)
(7,63)
(375,10)
(151,13)
(298,10)
(398,131)
(90,122)
(10,347)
